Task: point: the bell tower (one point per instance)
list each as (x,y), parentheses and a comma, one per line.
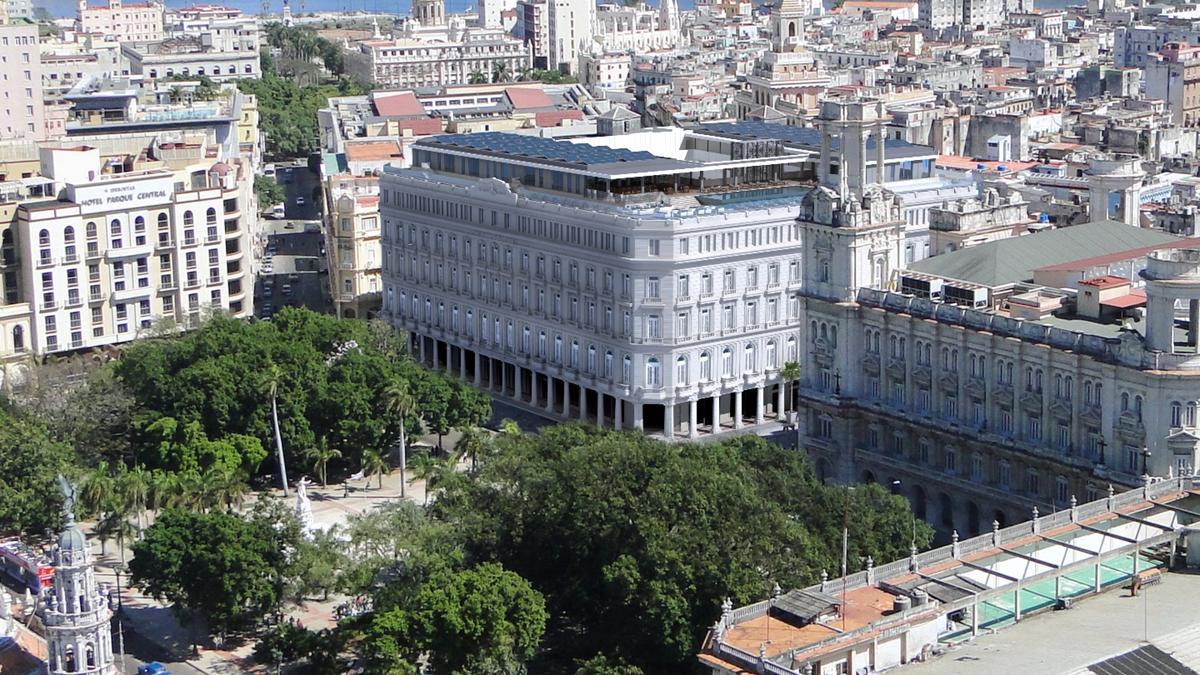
(788,27)
(852,227)
(75,611)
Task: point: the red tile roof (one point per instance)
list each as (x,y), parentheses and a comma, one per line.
(555,118)
(397,104)
(1134,299)
(1106,281)
(373,151)
(524,98)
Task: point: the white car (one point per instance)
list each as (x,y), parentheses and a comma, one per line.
(269,170)
(300,201)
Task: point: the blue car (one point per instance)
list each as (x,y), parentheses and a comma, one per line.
(153,668)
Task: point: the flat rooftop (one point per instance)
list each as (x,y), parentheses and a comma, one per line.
(591,158)
(1094,630)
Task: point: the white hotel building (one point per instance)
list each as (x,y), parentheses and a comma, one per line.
(116,252)
(664,287)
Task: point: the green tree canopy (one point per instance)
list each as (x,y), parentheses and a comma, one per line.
(484,620)
(222,567)
(30,501)
(610,526)
(209,383)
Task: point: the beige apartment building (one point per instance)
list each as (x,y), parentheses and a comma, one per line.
(94,257)
(353,245)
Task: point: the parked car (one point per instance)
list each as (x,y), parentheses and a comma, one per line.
(153,668)
(269,170)
(277,212)
(299,201)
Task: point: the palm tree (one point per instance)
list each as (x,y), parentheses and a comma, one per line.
(320,456)
(373,464)
(472,443)
(477,78)
(116,524)
(398,402)
(225,488)
(426,468)
(98,490)
(789,374)
(500,72)
(270,387)
(135,486)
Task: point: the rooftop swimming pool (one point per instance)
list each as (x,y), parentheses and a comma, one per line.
(758,195)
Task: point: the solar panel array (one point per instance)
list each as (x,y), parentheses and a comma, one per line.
(536,147)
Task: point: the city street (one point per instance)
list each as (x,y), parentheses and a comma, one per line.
(293,271)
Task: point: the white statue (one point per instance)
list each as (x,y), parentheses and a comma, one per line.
(304,508)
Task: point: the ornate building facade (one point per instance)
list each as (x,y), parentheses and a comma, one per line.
(76,612)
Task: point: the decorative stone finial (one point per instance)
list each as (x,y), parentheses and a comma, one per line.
(995,533)
(824,580)
(776,590)
(870,570)
(726,607)
(954,548)
(1074,509)
(913,565)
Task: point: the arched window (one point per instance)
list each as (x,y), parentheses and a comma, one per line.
(44,238)
(791,348)
(162,221)
(542,344)
(189,218)
(705,367)
(608,364)
(727,362)
(653,372)
(210,216)
(90,230)
(681,371)
(1176,414)
(69,234)
(1190,419)
(626,369)
(770,355)
(558,342)
(591,358)
(18,338)
(750,358)
(1124,401)
(114,227)
(139,224)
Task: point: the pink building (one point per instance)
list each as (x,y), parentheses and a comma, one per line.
(22,113)
(126,22)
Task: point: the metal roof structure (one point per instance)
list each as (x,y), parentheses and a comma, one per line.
(536,148)
(804,606)
(808,138)
(1013,260)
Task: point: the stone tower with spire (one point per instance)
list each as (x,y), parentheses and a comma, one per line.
(788,26)
(429,12)
(668,15)
(75,611)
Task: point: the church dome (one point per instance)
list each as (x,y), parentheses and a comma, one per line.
(72,540)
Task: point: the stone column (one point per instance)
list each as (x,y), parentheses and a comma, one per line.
(534,399)
(478,369)
(517,388)
(422,339)
(780,413)
(1194,323)
(716,420)
(434,353)
(760,406)
(462,363)
(599,410)
(618,413)
(583,417)
(669,420)
(503,379)
(693,429)
(737,409)
(566,401)
(638,420)
(550,394)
